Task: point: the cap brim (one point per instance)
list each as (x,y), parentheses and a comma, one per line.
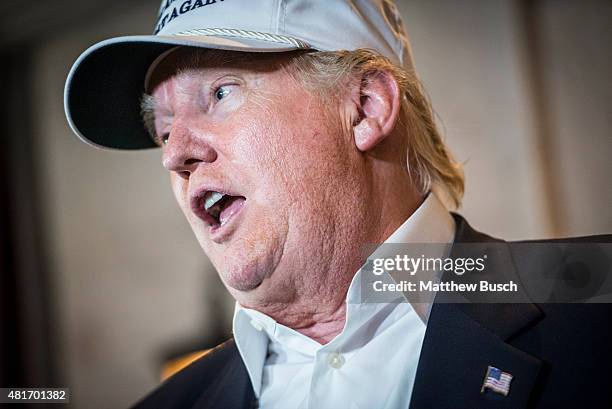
(105,85)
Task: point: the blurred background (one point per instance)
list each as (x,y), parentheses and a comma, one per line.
(101,278)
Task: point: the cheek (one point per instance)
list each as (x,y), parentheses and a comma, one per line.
(296,153)
(254,140)
(180,188)
(288,138)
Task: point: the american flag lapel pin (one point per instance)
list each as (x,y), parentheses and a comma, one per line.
(497,380)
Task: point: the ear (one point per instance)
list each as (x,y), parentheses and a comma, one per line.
(378,106)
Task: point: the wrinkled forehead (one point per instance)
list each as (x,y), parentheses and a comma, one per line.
(188,60)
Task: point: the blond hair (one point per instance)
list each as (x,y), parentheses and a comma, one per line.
(429,161)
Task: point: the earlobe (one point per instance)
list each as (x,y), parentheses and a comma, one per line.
(379,106)
(367,134)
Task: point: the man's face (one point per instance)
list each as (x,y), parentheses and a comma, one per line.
(289,173)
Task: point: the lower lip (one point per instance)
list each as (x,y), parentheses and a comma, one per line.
(221,232)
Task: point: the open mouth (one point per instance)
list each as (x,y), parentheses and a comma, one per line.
(217,208)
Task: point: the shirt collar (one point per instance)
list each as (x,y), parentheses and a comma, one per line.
(430,223)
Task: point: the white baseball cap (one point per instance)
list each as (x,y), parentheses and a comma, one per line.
(104,87)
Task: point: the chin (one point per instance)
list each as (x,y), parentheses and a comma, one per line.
(243,275)
(249,256)
(243,282)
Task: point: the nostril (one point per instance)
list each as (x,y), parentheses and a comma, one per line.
(191,161)
(183,174)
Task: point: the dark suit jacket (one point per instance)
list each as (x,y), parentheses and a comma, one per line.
(560,356)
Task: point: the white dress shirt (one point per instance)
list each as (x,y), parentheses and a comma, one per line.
(372,363)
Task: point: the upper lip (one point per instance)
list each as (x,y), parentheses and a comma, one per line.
(195,199)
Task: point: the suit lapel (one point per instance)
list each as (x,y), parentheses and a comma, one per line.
(231,389)
(456,353)
(462,340)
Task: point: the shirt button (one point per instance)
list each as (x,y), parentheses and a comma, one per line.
(335,360)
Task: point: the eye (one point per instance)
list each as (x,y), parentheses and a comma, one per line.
(162,139)
(222,92)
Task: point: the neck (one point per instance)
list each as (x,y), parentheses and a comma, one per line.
(323,319)
(317,304)
(322,325)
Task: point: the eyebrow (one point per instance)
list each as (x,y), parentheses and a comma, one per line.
(147,113)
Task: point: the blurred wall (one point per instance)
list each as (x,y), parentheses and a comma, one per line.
(469,56)
(522,89)
(576,80)
(130,278)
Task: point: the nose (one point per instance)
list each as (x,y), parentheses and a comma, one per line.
(184,151)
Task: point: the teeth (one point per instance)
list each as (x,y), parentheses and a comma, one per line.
(211,199)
